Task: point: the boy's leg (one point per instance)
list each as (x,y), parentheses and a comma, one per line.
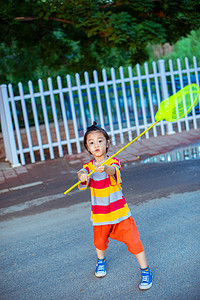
(100,267)
(101,234)
(100,253)
(127,232)
(146,275)
(141,258)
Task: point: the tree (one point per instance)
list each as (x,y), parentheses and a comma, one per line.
(39,38)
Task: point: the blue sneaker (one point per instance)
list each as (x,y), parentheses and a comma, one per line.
(100,268)
(146,280)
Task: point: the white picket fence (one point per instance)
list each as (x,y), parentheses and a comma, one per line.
(52,121)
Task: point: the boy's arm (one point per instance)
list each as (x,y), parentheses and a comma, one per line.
(108,169)
(113,170)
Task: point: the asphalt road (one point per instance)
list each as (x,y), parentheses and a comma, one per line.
(47,249)
(141,183)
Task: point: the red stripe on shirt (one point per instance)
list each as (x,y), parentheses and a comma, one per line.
(102,209)
(100,184)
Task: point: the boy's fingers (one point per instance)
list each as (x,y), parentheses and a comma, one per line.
(100,169)
(83,178)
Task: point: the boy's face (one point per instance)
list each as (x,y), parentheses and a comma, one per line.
(97,144)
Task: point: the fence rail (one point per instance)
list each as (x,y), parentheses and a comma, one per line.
(52,122)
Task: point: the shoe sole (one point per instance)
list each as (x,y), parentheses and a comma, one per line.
(100,275)
(145,287)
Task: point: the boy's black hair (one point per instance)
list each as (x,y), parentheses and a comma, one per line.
(95,128)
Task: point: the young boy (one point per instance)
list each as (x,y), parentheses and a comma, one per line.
(110,214)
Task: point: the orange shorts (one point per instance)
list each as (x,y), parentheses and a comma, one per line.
(125,231)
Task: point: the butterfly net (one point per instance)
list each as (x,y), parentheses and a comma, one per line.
(177,106)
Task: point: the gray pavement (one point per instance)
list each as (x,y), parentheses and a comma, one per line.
(51,255)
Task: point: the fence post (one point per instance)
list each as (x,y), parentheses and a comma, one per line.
(7,128)
(164,89)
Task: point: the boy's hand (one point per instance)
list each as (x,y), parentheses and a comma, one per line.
(82,177)
(101,169)
(108,169)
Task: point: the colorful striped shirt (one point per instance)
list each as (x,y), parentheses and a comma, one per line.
(108,203)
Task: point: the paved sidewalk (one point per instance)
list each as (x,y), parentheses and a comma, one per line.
(33,174)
